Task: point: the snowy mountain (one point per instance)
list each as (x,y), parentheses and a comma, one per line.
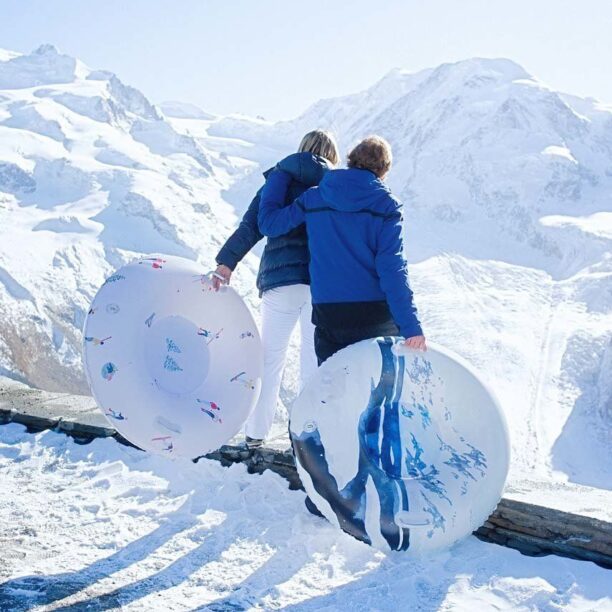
(90,175)
(483,146)
(506,186)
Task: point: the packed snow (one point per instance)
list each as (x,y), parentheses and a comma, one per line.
(104,527)
(506,186)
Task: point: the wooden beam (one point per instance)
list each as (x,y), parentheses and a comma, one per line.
(531,529)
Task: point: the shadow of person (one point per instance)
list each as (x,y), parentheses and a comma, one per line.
(27,592)
(245,595)
(278,568)
(464,577)
(214,544)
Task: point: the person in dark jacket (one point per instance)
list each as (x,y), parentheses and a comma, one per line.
(359,277)
(283,279)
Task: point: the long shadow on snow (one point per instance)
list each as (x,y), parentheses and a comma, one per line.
(400,583)
(281,566)
(27,592)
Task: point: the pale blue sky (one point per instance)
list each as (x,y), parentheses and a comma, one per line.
(274,57)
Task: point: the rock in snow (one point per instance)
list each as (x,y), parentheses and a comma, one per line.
(506,189)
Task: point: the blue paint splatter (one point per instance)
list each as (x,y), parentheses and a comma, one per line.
(465,463)
(437,520)
(171,365)
(108,371)
(419,371)
(114,278)
(172,347)
(426,475)
(479,461)
(115,415)
(406,412)
(423,411)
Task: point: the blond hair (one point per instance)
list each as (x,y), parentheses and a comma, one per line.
(321,143)
(372,153)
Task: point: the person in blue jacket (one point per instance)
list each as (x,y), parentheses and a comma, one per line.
(283,279)
(359,277)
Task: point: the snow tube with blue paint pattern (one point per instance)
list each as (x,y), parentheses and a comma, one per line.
(174,365)
(403,450)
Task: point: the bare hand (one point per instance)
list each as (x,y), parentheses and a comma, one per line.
(225,273)
(416,342)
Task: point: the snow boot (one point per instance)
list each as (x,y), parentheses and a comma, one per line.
(253,443)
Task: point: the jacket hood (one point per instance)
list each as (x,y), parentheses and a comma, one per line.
(353,189)
(304,167)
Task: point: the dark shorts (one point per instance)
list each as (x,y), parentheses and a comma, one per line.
(340,324)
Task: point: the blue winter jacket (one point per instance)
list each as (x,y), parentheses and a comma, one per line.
(354,228)
(285,257)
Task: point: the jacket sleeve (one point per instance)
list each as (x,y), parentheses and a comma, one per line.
(246,236)
(393,273)
(274,218)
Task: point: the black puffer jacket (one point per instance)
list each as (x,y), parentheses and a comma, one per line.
(285,258)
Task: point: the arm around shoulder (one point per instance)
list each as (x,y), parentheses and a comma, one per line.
(274,218)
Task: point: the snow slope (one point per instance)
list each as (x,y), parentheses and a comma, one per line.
(102,526)
(91,174)
(506,186)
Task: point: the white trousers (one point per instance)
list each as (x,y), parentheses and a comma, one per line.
(281,309)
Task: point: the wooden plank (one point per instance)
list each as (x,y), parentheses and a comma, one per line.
(531,529)
(563,528)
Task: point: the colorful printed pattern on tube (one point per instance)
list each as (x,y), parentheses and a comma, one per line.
(173,365)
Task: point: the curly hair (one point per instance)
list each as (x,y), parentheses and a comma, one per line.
(372,153)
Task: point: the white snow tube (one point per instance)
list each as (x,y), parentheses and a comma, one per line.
(402,449)
(174,365)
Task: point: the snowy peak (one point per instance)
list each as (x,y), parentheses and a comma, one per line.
(480,69)
(444,81)
(56,96)
(47,66)
(472,73)
(44,66)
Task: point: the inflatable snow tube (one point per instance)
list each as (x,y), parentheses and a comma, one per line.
(403,450)
(174,365)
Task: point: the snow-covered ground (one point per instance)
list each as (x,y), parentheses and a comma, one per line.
(102,527)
